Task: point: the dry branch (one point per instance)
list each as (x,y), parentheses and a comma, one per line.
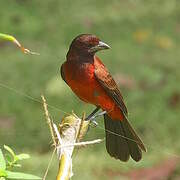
(65,137)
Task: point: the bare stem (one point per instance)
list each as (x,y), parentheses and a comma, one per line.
(49,121)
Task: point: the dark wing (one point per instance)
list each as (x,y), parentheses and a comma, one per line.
(105,79)
(62,72)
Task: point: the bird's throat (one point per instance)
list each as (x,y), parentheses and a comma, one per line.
(80,56)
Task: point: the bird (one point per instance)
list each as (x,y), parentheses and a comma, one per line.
(90,80)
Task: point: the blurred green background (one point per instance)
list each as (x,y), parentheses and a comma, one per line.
(144,60)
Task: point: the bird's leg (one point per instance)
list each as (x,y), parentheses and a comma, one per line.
(99,114)
(92,114)
(95,116)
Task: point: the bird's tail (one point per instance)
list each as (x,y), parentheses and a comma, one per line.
(121,140)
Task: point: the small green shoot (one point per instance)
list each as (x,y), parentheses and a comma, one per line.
(10,38)
(9,161)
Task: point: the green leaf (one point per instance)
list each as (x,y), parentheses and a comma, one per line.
(7,148)
(3,173)
(2,161)
(19,175)
(23,156)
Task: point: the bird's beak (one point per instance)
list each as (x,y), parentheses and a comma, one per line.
(99,47)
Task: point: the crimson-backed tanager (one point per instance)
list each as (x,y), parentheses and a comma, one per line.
(90,80)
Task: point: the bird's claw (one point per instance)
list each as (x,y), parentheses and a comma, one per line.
(93,123)
(92,119)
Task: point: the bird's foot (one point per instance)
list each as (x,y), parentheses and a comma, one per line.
(92,119)
(93,123)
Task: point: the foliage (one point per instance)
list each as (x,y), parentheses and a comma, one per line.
(10,161)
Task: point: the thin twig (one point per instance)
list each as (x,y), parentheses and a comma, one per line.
(49,164)
(96,141)
(49,121)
